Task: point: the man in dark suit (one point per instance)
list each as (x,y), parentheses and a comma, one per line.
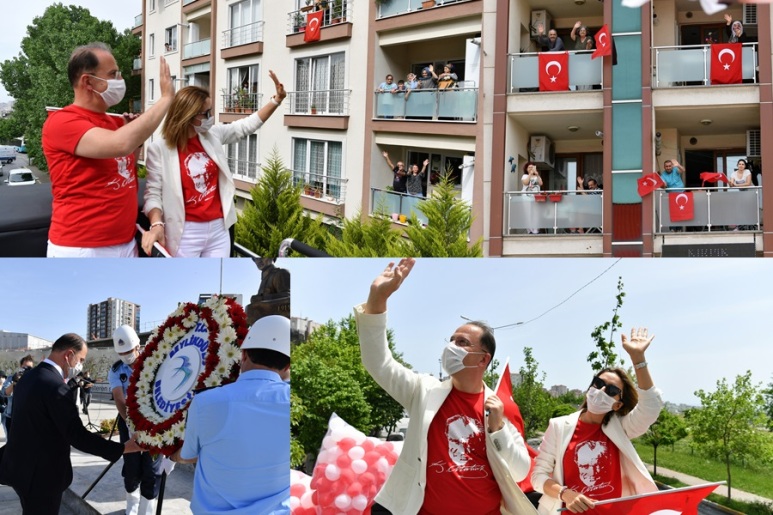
(36,461)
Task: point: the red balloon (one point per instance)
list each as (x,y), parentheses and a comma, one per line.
(346,443)
(371,457)
(391,458)
(326,498)
(344,461)
(315,497)
(354,489)
(368,445)
(329,510)
(367,478)
(297,490)
(347,477)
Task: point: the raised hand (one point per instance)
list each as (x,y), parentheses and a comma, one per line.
(165,83)
(637,344)
(728,19)
(387,283)
(280,88)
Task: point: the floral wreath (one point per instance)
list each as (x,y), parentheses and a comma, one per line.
(222,324)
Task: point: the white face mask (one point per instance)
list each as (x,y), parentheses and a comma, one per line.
(206,124)
(129,358)
(453,358)
(598,402)
(74,369)
(116,89)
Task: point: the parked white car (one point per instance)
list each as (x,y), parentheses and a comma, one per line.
(20,177)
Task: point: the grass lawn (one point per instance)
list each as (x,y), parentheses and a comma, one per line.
(742,507)
(752,478)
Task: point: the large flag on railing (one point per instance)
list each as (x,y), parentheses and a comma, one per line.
(726,59)
(677,501)
(554,71)
(603,43)
(504,391)
(713,177)
(313,26)
(649,183)
(681,206)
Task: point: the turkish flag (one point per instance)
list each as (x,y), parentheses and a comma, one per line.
(313,26)
(513,413)
(681,206)
(678,501)
(603,43)
(554,71)
(713,177)
(649,183)
(726,63)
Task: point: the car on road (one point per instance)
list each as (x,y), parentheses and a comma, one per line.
(21,177)
(7,154)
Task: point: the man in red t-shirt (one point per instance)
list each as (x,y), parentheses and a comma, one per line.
(92,159)
(460,455)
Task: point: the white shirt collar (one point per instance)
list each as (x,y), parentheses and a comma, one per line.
(57,367)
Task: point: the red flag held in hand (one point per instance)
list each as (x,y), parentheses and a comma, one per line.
(713,177)
(513,414)
(603,43)
(726,62)
(554,71)
(649,183)
(679,500)
(313,26)
(681,206)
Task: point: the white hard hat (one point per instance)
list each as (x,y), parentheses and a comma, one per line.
(271,332)
(125,339)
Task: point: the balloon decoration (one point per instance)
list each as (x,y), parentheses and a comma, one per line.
(350,470)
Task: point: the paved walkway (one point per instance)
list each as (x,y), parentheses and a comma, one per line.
(108,496)
(736,494)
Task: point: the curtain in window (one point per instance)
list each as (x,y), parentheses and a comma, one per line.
(317,164)
(319,82)
(334,156)
(252,170)
(299,160)
(337,78)
(301,85)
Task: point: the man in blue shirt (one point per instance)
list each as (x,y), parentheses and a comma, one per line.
(25,364)
(240,433)
(141,473)
(672,175)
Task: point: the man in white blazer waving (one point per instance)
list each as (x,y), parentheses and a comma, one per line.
(460,455)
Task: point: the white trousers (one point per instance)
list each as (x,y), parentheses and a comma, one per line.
(113,251)
(204,239)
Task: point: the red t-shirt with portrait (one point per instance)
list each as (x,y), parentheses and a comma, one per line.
(592,463)
(94,200)
(199,175)
(459,477)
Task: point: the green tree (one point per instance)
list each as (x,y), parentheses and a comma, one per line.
(768,396)
(373,237)
(605,355)
(449,220)
(328,377)
(491,376)
(296,414)
(275,213)
(38,76)
(667,430)
(535,403)
(728,425)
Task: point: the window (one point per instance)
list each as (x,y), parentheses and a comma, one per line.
(243,157)
(151,45)
(170,39)
(322,80)
(151,5)
(151,93)
(244,16)
(242,87)
(317,165)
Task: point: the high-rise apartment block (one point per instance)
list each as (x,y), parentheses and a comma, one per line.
(104,317)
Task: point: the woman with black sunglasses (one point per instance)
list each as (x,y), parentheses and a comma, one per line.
(588,456)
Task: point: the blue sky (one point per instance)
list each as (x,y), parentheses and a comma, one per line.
(50,297)
(709,316)
(16,20)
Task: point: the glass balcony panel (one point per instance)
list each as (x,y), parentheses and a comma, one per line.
(688,64)
(459,104)
(391,203)
(714,208)
(584,71)
(196,49)
(573,211)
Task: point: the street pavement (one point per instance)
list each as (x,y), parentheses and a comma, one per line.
(108,496)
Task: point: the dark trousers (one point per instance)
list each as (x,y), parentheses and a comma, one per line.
(139,469)
(40,503)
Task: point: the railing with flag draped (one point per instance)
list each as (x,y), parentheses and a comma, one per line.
(337,12)
(690,65)
(584,72)
(557,212)
(713,209)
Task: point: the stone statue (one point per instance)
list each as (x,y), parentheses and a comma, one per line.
(273,297)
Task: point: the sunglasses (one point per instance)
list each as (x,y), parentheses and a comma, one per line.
(611,389)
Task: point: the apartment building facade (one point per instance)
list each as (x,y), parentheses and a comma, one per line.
(104,317)
(614,124)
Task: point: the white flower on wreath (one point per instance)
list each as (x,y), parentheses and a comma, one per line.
(227,335)
(190,320)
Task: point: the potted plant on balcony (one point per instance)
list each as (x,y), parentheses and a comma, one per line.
(308,6)
(426,4)
(313,108)
(337,12)
(299,23)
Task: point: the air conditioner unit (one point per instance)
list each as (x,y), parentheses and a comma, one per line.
(542,152)
(537,17)
(753,143)
(750,14)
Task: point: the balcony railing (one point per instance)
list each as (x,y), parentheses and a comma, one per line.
(241,102)
(137,21)
(250,33)
(244,168)
(553,212)
(167,3)
(323,187)
(196,49)
(714,209)
(186,2)
(584,72)
(333,15)
(394,204)
(331,102)
(690,65)
(137,63)
(454,104)
(394,7)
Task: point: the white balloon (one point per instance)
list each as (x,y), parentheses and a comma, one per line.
(343,502)
(382,465)
(336,423)
(359,502)
(332,472)
(328,442)
(294,503)
(306,501)
(356,452)
(337,434)
(359,466)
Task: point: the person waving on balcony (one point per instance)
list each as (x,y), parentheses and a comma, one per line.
(734,30)
(552,41)
(579,34)
(189,195)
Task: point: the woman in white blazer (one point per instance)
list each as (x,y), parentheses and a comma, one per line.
(189,190)
(588,456)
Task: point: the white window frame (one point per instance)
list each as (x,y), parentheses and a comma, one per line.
(170,38)
(301,171)
(151,46)
(151,90)
(324,100)
(233,153)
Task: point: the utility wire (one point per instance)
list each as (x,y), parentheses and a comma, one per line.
(563,301)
